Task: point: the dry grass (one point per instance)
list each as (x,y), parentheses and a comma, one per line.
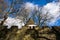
(26,33)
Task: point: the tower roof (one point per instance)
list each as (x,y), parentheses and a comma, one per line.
(30,22)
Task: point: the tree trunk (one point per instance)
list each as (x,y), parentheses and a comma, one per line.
(5,17)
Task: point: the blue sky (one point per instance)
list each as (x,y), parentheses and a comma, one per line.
(42,3)
(38,2)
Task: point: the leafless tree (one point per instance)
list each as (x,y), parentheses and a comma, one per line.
(24,14)
(11,9)
(43,19)
(4,5)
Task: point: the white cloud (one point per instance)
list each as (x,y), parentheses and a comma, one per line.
(30,6)
(53,10)
(19,21)
(13,21)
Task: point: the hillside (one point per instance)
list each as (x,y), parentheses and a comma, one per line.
(26,33)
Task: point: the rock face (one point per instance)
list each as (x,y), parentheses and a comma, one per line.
(29,34)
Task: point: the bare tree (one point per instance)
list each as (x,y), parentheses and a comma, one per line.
(24,14)
(11,9)
(43,19)
(4,5)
